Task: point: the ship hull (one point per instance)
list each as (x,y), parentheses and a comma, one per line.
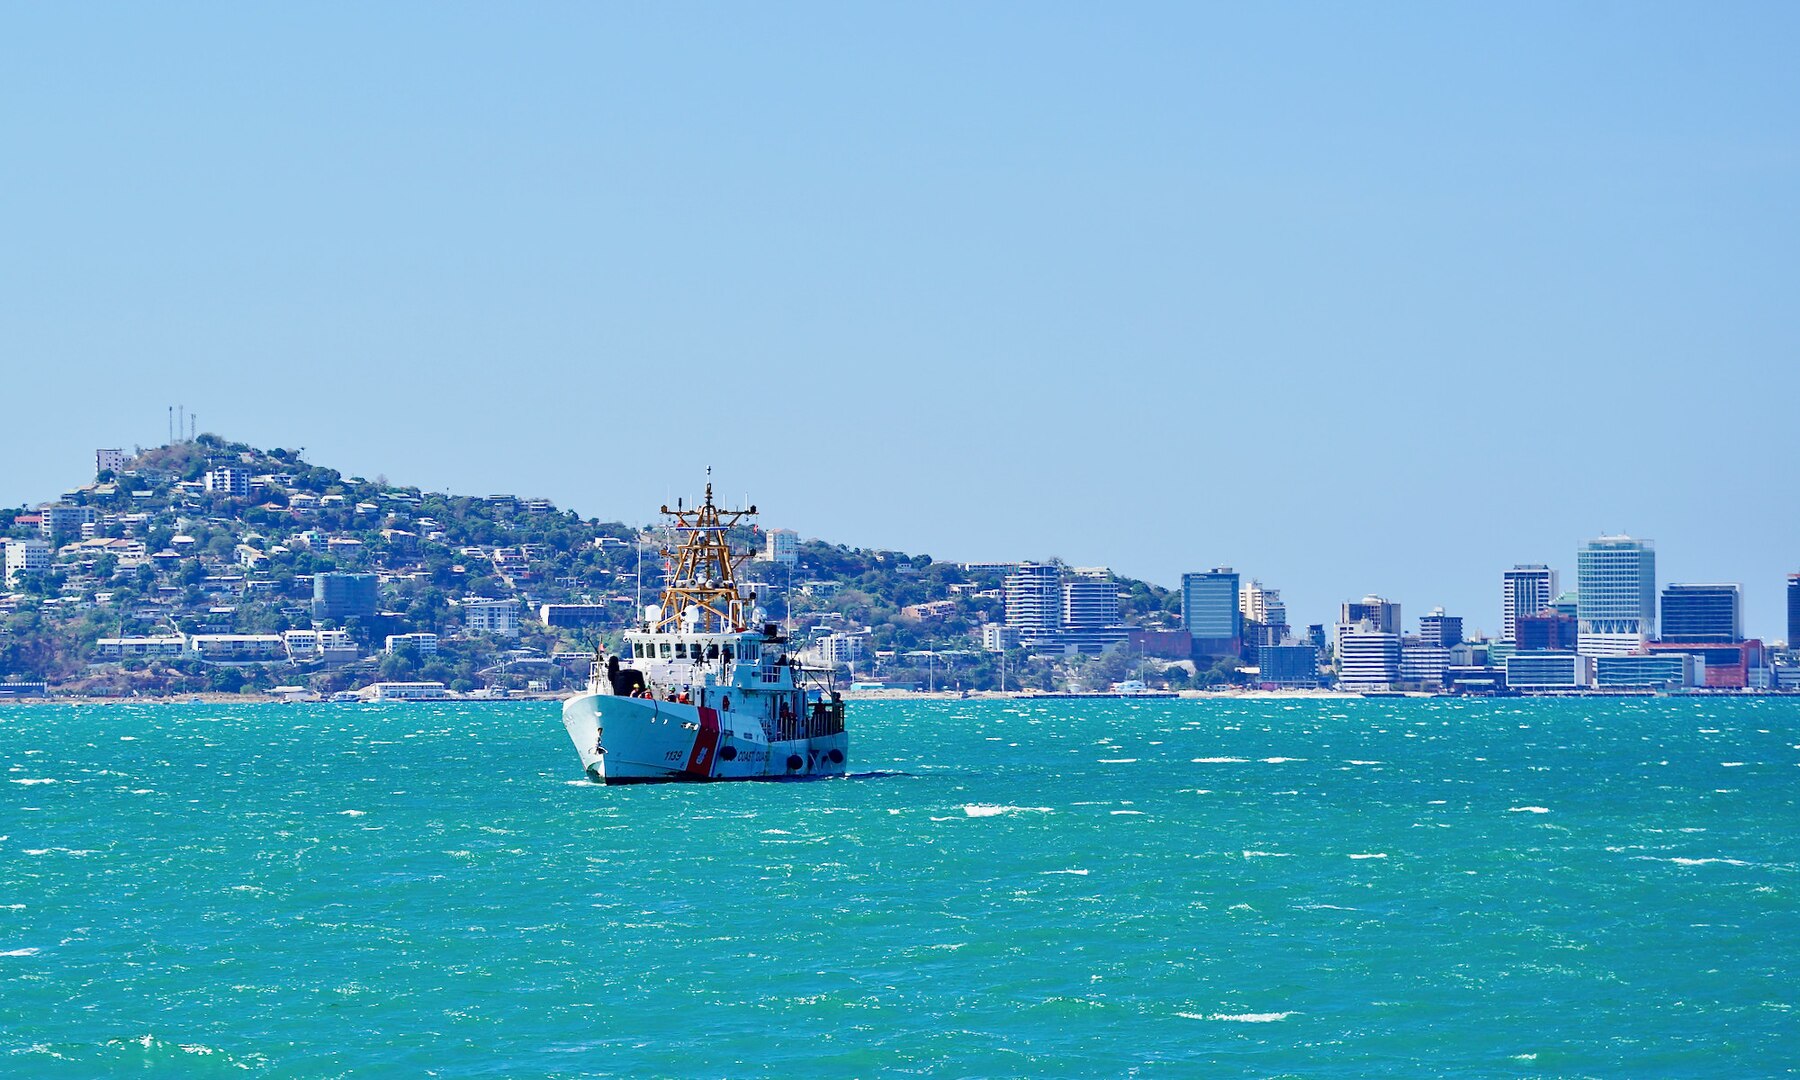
(626,740)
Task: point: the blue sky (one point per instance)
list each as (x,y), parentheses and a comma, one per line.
(1376,298)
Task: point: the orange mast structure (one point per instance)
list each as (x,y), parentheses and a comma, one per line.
(703,571)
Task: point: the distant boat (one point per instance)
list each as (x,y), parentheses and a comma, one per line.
(702,692)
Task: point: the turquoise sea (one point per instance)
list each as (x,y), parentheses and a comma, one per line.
(1203,888)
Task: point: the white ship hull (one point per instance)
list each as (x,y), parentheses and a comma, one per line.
(625,740)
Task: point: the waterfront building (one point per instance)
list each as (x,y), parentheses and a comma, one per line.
(1289,664)
(405,691)
(25,557)
(1209,611)
(483,616)
(426,645)
(1034,600)
(782,546)
(1793,611)
(108,460)
(999,637)
(1728,665)
(1668,671)
(1368,657)
(338,595)
(1615,595)
(1440,630)
(1423,665)
(1089,603)
(1702,613)
(1528,671)
(1526,589)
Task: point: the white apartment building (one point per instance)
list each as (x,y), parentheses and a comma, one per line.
(25,557)
(162,646)
(999,637)
(783,547)
(491,617)
(1034,599)
(108,460)
(1089,603)
(839,649)
(60,520)
(238,648)
(226,480)
(425,644)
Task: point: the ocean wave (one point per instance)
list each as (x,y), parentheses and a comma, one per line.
(988,810)
(1238,1018)
(1528,809)
(1220,760)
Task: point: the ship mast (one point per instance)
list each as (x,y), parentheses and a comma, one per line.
(703,571)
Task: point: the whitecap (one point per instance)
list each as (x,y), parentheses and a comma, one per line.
(1528,810)
(776,832)
(1371,855)
(1722,765)
(1220,760)
(38,780)
(21,952)
(1118,761)
(1081,873)
(1280,760)
(1239,1018)
(1139,813)
(1353,761)
(351,813)
(986,810)
(1268,854)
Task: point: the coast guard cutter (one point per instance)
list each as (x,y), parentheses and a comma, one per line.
(700,692)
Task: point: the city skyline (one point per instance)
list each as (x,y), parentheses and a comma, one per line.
(1103,284)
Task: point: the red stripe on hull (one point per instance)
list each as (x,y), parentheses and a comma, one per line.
(706,744)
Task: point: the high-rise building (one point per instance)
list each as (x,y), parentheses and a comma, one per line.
(1615,587)
(1385,615)
(1034,599)
(339,595)
(1793,597)
(1209,611)
(1377,612)
(1439,629)
(1368,657)
(108,460)
(1702,613)
(1090,603)
(1264,615)
(1526,589)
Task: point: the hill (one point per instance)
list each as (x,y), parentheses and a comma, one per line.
(198,567)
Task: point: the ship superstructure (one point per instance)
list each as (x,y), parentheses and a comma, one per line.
(704,689)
